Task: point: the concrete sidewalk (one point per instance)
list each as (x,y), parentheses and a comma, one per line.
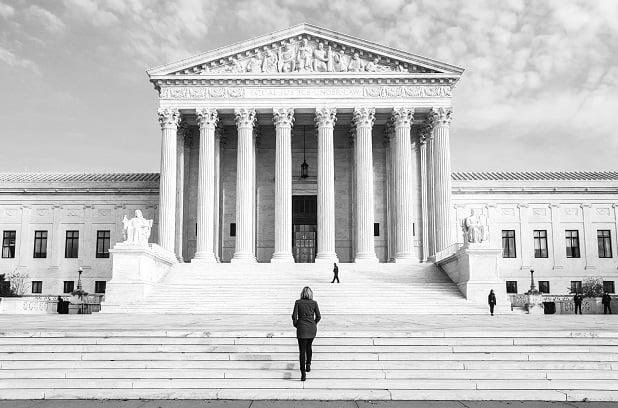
(296,404)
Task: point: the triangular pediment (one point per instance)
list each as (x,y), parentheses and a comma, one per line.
(303,49)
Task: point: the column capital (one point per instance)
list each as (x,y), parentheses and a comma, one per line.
(169,117)
(207,118)
(403,117)
(440,116)
(245,117)
(325,117)
(364,117)
(283,117)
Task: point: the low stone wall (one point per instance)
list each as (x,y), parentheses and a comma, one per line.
(564,303)
(46,304)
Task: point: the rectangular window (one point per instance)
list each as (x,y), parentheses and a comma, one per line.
(572,243)
(508,244)
(576,286)
(233,229)
(40,244)
(604,242)
(511,286)
(37,286)
(68,286)
(99,286)
(608,286)
(544,286)
(376,229)
(540,243)
(8,244)
(71,244)
(103,244)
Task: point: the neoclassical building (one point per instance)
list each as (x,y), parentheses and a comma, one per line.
(307,145)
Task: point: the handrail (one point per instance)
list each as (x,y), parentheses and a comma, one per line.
(448,251)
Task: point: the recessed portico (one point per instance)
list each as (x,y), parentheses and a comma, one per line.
(367,135)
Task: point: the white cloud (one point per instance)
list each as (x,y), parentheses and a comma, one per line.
(14,61)
(6,11)
(49,20)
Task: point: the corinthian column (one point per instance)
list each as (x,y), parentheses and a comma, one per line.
(402,179)
(440,119)
(365,247)
(283,119)
(424,138)
(169,118)
(245,174)
(180,176)
(325,121)
(207,119)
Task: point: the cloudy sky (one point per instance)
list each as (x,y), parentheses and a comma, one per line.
(540,91)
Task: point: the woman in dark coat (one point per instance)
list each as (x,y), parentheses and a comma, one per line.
(305,318)
(491,299)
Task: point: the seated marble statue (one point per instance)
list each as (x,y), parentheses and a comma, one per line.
(137,229)
(475,228)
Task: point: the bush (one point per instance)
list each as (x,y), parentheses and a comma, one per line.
(592,287)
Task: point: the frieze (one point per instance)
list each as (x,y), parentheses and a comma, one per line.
(420,91)
(603,211)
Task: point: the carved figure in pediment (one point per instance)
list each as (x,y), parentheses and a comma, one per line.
(287,59)
(356,64)
(270,62)
(236,66)
(255,64)
(304,57)
(372,66)
(321,59)
(340,63)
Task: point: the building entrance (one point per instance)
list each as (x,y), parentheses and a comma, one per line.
(304,228)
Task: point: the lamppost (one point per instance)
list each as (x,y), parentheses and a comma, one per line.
(534,302)
(79,290)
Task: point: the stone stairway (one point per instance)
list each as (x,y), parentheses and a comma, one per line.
(518,364)
(272,288)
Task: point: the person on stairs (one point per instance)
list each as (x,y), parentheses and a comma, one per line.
(305,318)
(335,273)
(577,299)
(491,299)
(607,301)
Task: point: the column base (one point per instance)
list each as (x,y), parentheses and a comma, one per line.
(367,257)
(282,257)
(243,258)
(204,257)
(406,258)
(326,257)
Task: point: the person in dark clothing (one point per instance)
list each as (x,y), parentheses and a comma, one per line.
(577,299)
(305,318)
(491,299)
(335,274)
(607,300)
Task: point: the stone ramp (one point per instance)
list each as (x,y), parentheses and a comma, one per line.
(269,289)
(358,361)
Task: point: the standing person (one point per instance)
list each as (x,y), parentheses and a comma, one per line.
(607,300)
(491,299)
(335,274)
(305,318)
(577,299)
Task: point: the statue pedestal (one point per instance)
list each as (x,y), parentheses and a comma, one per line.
(474,268)
(136,268)
(534,303)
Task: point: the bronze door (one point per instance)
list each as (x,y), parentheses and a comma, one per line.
(304,228)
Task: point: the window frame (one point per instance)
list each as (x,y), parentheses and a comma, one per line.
(572,243)
(71,244)
(537,236)
(511,284)
(606,288)
(577,285)
(8,243)
(65,284)
(506,253)
(38,284)
(98,284)
(542,289)
(604,244)
(103,237)
(40,242)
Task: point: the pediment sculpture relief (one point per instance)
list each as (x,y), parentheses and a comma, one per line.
(304,56)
